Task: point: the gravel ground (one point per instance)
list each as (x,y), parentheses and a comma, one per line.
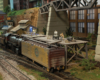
(7,76)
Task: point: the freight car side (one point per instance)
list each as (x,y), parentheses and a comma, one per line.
(57,58)
(48,57)
(35,52)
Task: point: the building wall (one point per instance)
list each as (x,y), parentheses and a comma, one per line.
(3,4)
(42,22)
(53,21)
(57,21)
(2,19)
(19,32)
(11,4)
(17,4)
(35,3)
(21,4)
(84,22)
(25,4)
(47,1)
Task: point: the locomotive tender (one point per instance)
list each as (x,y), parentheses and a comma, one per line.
(50,57)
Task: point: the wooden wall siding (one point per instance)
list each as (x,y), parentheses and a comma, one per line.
(85,20)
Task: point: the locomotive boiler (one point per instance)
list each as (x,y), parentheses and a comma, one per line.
(11,41)
(15,44)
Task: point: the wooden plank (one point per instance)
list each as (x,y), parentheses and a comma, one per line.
(65,56)
(54,42)
(70,43)
(49,41)
(33,36)
(86,49)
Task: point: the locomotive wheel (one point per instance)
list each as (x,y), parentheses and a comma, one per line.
(44,68)
(51,70)
(17,51)
(12,48)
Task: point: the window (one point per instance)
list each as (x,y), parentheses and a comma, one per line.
(81,27)
(98,15)
(90,28)
(10,23)
(90,14)
(81,14)
(72,14)
(73,26)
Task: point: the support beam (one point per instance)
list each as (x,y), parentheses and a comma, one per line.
(57,21)
(80,4)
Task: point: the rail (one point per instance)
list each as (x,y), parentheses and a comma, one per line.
(8,71)
(30,64)
(14,68)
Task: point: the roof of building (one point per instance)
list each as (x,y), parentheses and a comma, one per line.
(18,27)
(6,27)
(2,12)
(23,21)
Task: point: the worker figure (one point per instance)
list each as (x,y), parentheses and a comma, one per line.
(31,30)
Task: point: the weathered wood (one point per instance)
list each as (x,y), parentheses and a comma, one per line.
(49,41)
(65,56)
(86,48)
(53,42)
(74,49)
(33,36)
(70,43)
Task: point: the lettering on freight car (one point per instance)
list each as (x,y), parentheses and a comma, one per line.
(36,52)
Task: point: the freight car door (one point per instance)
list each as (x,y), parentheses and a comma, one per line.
(26,49)
(40,55)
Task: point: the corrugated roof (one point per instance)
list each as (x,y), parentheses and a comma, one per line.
(2,12)
(23,21)
(6,27)
(17,28)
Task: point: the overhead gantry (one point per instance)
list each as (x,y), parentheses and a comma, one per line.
(63,5)
(57,16)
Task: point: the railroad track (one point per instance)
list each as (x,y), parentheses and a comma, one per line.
(30,64)
(24,61)
(14,72)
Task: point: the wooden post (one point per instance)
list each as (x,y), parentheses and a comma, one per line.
(65,56)
(76,50)
(86,49)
